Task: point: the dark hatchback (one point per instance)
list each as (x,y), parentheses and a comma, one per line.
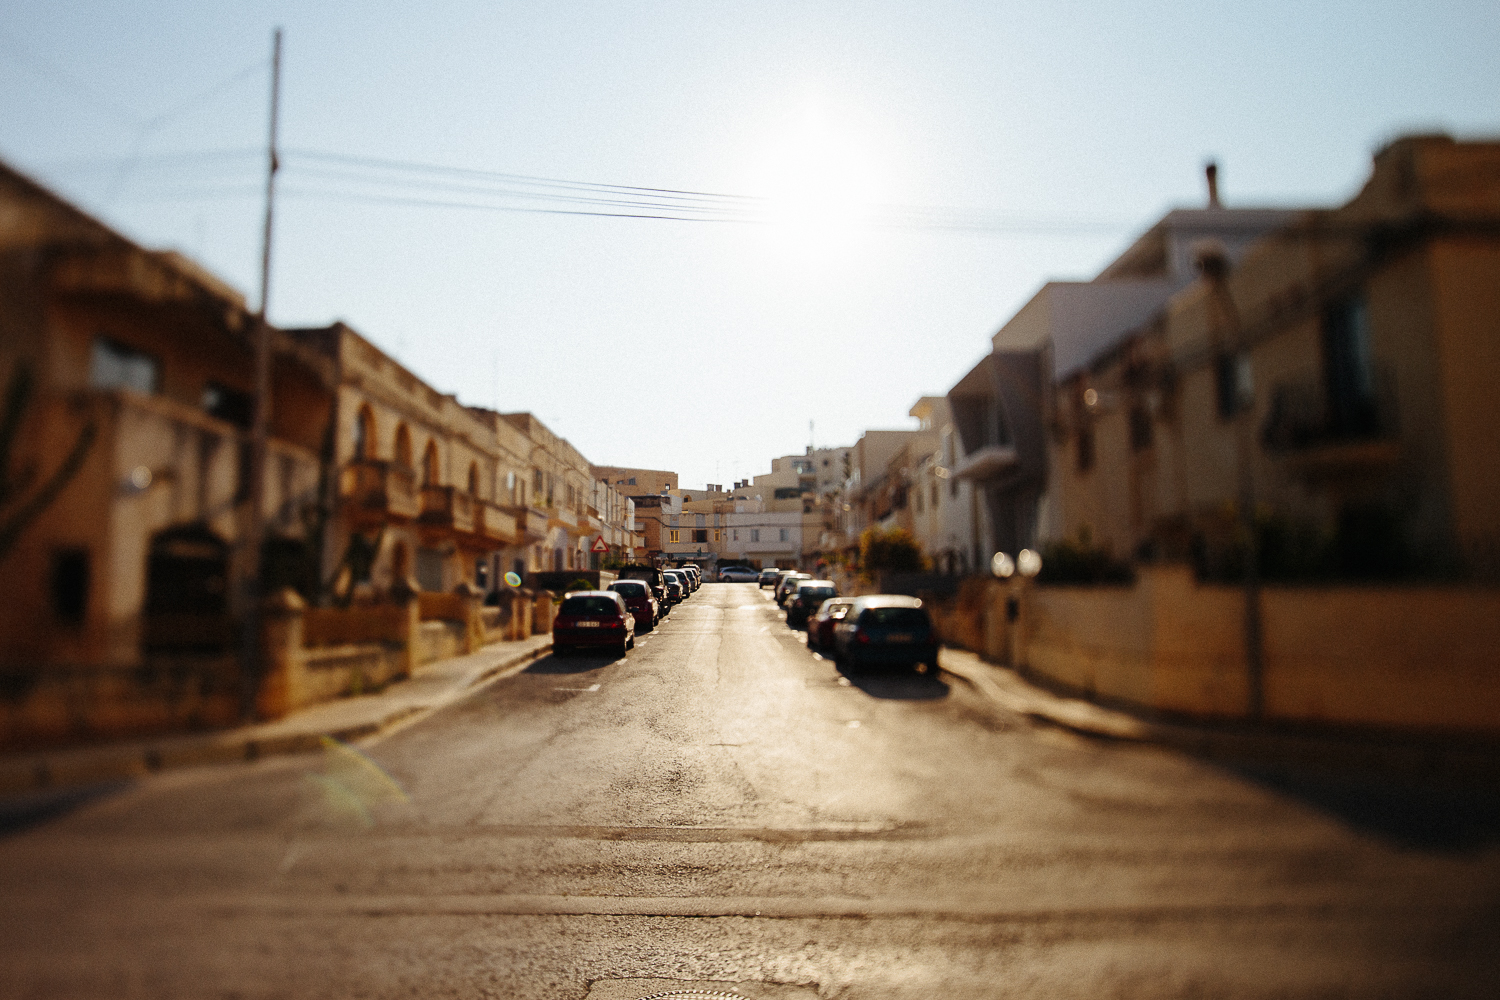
(809,598)
(593,619)
(885,630)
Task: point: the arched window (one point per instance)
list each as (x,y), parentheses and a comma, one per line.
(473,479)
(364,433)
(403,447)
(430,471)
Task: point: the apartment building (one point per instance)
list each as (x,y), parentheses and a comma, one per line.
(1334,374)
(1003,409)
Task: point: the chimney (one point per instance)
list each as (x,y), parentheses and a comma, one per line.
(1212,171)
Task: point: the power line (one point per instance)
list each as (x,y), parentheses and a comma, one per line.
(337,178)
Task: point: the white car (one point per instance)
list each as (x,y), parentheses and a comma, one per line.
(739,574)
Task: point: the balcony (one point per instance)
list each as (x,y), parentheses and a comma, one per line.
(379,491)
(492,525)
(1321,435)
(447,508)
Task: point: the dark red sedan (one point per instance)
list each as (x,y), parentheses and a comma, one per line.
(593,618)
(820,626)
(640,601)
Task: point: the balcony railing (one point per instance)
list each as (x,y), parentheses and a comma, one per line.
(381,489)
(448,507)
(492,524)
(1317,429)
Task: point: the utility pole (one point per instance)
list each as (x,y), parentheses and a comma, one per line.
(1233,375)
(255,529)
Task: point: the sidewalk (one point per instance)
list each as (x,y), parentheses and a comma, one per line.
(1413,756)
(433,686)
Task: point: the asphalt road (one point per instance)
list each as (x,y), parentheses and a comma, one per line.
(721,807)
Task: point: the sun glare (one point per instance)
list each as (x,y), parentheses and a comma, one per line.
(820,184)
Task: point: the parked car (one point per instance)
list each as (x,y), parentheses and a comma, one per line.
(805,602)
(820,626)
(769,577)
(694,579)
(651,575)
(593,618)
(677,590)
(885,630)
(739,574)
(641,602)
(788,586)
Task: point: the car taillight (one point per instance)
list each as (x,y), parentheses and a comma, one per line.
(614,623)
(860,636)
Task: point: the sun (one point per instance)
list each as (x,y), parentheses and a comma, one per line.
(820,184)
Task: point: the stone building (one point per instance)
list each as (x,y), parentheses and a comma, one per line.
(125,498)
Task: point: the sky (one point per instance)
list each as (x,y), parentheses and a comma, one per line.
(872,189)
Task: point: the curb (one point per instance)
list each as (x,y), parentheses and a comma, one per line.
(72,767)
(1403,756)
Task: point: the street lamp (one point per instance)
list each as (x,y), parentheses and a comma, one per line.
(1002,565)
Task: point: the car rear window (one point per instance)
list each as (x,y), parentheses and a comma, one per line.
(909,618)
(817,593)
(589,606)
(629,589)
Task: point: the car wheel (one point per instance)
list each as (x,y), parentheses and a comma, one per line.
(559,651)
(624,645)
(630,643)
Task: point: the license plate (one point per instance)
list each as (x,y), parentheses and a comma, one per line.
(899,637)
(588,624)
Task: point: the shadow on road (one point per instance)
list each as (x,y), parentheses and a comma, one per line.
(19,813)
(1411,815)
(578,663)
(897,683)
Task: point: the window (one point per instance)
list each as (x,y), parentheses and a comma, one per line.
(70,585)
(403,447)
(700,534)
(718,535)
(112,365)
(364,433)
(783,535)
(1234,383)
(1085,448)
(1348,376)
(755,534)
(673,535)
(1141,430)
(229,405)
(630,481)
(734,534)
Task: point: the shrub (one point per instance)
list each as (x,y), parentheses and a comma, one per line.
(893,551)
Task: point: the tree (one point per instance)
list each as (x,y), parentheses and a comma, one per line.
(893,551)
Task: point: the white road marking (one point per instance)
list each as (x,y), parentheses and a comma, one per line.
(591,687)
(852,723)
